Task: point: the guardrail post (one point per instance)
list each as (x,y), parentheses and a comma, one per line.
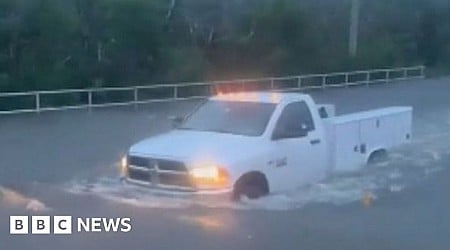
(242,83)
(299,82)
(272,83)
(367,78)
(405,73)
(211,91)
(346,80)
(388,75)
(135,97)
(324,81)
(175,92)
(90,99)
(38,102)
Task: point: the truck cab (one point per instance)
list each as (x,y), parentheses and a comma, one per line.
(296,139)
(243,144)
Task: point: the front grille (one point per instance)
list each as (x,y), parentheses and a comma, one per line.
(139,175)
(158,172)
(171,165)
(138,161)
(174,180)
(162,164)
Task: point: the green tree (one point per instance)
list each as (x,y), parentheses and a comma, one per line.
(428,45)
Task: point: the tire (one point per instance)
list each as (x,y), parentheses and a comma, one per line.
(378,156)
(252,186)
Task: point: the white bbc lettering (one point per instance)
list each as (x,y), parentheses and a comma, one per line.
(62,224)
(96,224)
(111,224)
(126,225)
(18,224)
(104,225)
(83,225)
(40,224)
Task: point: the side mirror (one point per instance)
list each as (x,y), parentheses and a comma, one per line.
(176,121)
(288,134)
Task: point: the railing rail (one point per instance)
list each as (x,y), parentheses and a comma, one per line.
(50,100)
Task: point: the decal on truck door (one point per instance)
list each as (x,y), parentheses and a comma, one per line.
(280,162)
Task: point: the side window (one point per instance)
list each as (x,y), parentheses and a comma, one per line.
(323,113)
(295,120)
(305,116)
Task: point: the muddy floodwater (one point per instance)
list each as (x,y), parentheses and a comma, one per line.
(65,163)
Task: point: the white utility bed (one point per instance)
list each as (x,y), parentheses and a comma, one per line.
(354,137)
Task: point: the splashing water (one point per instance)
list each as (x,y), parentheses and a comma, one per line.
(405,167)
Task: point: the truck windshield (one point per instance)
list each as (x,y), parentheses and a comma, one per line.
(242,118)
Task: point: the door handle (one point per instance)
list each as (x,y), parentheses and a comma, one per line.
(315,141)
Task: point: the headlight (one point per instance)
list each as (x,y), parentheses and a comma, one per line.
(123,167)
(209,177)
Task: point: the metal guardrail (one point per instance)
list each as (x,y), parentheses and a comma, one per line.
(49,100)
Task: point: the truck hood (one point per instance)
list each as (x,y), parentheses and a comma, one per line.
(198,146)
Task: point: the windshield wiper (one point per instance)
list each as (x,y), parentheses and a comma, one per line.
(222,131)
(185,128)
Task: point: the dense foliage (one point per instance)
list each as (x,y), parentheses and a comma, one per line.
(52,44)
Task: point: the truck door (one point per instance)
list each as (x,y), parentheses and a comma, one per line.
(376,133)
(298,148)
(348,149)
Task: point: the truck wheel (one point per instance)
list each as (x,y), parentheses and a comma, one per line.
(377,156)
(252,185)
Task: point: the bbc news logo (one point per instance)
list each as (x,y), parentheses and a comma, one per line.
(64,225)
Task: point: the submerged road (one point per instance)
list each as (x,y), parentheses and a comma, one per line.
(48,156)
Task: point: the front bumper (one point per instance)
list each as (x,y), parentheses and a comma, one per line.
(179,190)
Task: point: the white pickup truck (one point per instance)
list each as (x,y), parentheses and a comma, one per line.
(250,144)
